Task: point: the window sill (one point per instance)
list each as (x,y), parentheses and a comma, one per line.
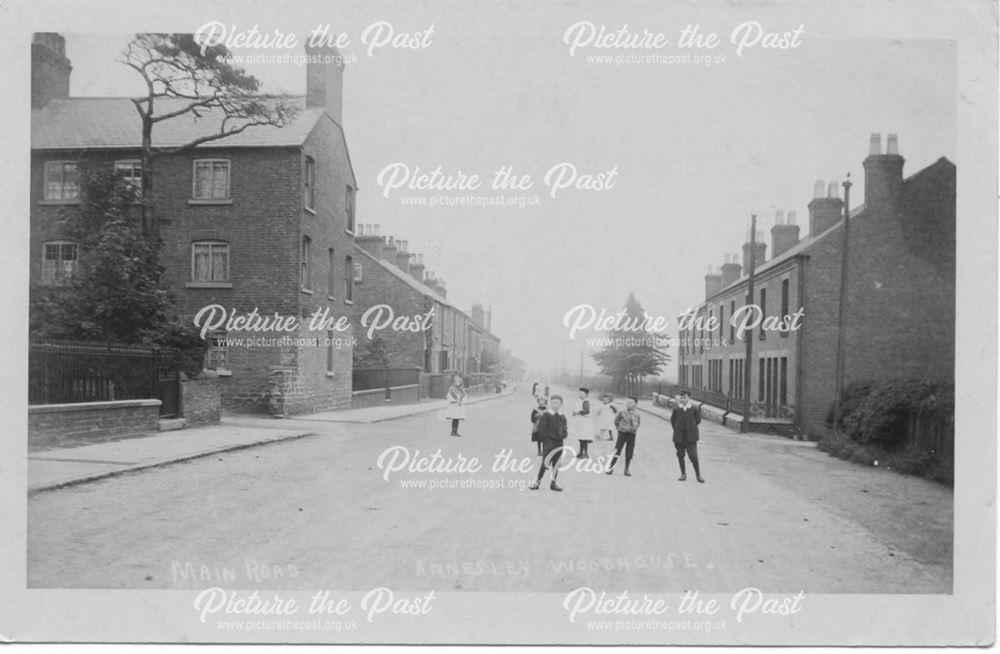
(307,291)
(331,374)
(331,298)
(351,302)
(224,372)
(222,201)
(208,284)
(349,231)
(310,210)
(57,202)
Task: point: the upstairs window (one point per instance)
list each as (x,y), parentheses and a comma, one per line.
(211,179)
(310,189)
(62,181)
(130,170)
(59,261)
(350,208)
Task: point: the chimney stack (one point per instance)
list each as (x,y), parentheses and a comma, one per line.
(731,271)
(784,234)
(478,315)
(713,282)
(759,252)
(325,80)
(825,209)
(417,267)
(369,239)
(403,256)
(883,173)
(389,250)
(50,68)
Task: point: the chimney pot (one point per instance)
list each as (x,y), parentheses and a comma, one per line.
(818,189)
(791,217)
(833,189)
(892,144)
(875,143)
(779,217)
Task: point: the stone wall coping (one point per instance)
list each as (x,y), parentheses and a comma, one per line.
(90,406)
(382,390)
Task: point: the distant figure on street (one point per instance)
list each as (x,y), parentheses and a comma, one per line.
(581,426)
(627,424)
(536,414)
(604,419)
(552,430)
(456,402)
(546,391)
(534,389)
(685,419)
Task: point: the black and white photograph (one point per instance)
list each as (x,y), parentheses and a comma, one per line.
(509,323)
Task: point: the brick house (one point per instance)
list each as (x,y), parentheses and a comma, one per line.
(263,220)
(900,319)
(391,275)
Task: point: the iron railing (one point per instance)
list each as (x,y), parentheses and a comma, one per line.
(71,372)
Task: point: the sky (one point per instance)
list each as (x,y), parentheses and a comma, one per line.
(697,148)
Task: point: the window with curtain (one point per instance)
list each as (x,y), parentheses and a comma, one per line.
(62,181)
(211,179)
(210,261)
(59,261)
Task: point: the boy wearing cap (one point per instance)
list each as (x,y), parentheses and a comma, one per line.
(685,419)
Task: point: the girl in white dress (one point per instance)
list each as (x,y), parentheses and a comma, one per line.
(604,420)
(456,400)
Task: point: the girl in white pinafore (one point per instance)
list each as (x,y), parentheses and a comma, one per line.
(456,400)
(581,424)
(604,420)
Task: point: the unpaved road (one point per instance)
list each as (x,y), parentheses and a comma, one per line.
(317,513)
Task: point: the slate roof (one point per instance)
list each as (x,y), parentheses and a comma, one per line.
(410,280)
(79,123)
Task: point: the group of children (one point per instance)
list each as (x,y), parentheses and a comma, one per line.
(550,428)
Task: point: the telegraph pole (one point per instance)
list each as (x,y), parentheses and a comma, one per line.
(842,313)
(748,364)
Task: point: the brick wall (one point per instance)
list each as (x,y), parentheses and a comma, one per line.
(406,349)
(70,425)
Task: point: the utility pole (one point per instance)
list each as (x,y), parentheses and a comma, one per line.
(748,365)
(842,313)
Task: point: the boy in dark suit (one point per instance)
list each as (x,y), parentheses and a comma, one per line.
(552,430)
(685,419)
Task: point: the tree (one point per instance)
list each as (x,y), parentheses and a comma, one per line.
(115,293)
(632,354)
(196,81)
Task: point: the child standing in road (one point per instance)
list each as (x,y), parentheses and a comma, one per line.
(605,418)
(582,423)
(536,414)
(627,423)
(552,430)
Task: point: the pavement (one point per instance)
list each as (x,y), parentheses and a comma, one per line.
(55,468)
